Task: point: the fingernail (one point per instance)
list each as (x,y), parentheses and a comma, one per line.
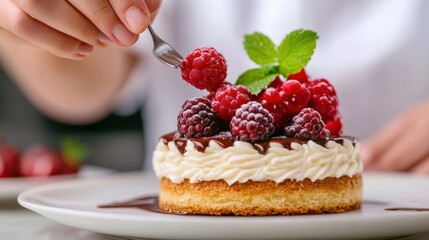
(104,40)
(136,19)
(122,34)
(84,50)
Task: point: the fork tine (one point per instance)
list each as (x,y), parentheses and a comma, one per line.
(167,60)
(175,53)
(174,57)
(173,62)
(164,51)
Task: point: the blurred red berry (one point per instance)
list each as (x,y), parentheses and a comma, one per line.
(9,160)
(41,161)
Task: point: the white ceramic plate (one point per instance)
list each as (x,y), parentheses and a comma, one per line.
(74,203)
(10,188)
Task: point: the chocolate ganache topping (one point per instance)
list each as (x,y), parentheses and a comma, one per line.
(225,139)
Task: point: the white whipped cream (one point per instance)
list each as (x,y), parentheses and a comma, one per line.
(241,162)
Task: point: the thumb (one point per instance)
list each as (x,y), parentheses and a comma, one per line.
(134,14)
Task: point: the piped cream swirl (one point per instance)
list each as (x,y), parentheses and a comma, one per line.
(241,162)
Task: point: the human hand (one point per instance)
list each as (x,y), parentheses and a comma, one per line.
(71,28)
(403,145)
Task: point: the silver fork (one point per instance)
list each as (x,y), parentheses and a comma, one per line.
(164,51)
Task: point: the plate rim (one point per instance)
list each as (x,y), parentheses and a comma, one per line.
(24,199)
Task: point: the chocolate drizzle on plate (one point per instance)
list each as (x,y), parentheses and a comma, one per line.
(148,203)
(408,209)
(226,140)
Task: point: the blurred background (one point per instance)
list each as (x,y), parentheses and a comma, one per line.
(114,142)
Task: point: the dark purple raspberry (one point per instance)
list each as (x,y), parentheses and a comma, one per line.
(252,123)
(197,119)
(204,68)
(308,125)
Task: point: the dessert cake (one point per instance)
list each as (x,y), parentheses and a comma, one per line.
(269,145)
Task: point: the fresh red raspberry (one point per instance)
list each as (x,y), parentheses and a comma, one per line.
(197,119)
(335,126)
(285,102)
(227,99)
(252,123)
(323,99)
(271,99)
(204,68)
(296,96)
(308,124)
(211,94)
(300,76)
(276,83)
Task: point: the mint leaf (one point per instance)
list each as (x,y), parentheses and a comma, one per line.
(255,80)
(296,50)
(269,69)
(260,48)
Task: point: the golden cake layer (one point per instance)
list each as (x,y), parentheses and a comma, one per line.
(290,197)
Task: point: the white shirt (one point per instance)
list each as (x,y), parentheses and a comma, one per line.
(375,53)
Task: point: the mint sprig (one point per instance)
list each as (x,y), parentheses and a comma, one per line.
(260,48)
(293,54)
(255,80)
(295,51)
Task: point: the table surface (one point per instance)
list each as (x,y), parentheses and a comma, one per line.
(18,223)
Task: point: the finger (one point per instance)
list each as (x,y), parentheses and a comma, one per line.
(381,141)
(102,15)
(15,20)
(134,14)
(405,151)
(422,168)
(63,17)
(153,6)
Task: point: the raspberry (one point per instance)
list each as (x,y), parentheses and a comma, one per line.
(197,119)
(271,99)
(323,99)
(204,68)
(308,124)
(285,102)
(296,96)
(300,76)
(252,123)
(227,99)
(335,126)
(277,82)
